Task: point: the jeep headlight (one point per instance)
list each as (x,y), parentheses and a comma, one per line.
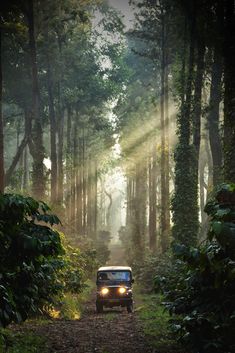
(104,291)
(122,290)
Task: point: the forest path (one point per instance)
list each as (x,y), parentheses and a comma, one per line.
(113,331)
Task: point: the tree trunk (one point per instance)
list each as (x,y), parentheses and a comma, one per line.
(95,200)
(1,124)
(38,178)
(79,190)
(185,228)
(139,221)
(52,117)
(198,103)
(60,153)
(26,169)
(163,138)
(68,165)
(167,152)
(89,198)
(213,117)
(152,200)
(108,214)
(74,177)
(197,112)
(229,92)
(84,184)
(202,184)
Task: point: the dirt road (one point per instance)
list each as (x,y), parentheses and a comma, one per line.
(114,331)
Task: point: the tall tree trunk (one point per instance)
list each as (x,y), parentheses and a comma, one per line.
(52,133)
(108,214)
(95,200)
(198,104)
(213,116)
(203,185)
(26,169)
(197,126)
(84,183)
(167,148)
(185,228)
(152,200)
(68,164)
(229,92)
(61,113)
(1,124)
(60,125)
(92,199)
(163,138)
(38,178)
(79,190)
(74,177)
(89,198)
(139,221)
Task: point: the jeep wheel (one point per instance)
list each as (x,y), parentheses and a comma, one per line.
(99,308)
(130,308)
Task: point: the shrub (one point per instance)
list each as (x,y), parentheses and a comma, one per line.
(79,266)
(146,271)
(201,287)
(29,257)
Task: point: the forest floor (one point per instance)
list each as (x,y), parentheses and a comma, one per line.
(113,331)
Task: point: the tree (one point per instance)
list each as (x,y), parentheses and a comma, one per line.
(1,123)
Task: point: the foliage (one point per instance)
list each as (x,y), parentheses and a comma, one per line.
(145,272)
(156,322)
(29,257)
(185,224)
(201,287)
(21,342)
(78,267)
(72,306)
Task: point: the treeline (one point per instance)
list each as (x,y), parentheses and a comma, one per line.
(60,69)
(181,79)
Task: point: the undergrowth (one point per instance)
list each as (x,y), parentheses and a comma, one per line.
(155,322)
(11,342)
(73,304)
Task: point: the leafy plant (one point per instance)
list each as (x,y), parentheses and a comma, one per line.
(29,257)
(19,342)
(79,266)
(201,287)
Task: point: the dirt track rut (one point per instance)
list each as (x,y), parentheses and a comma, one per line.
(114,331)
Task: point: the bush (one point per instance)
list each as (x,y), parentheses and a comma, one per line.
(145,272)
(201,287)
(29,257)
(79,266)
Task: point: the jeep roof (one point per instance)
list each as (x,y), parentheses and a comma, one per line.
(114,268)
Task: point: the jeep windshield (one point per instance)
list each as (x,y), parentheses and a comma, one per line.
(114,276)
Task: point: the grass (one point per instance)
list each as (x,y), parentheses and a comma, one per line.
(11,342)
(155,322)
(73,304)
(110,316)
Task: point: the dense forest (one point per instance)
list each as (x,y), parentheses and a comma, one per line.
(123,122)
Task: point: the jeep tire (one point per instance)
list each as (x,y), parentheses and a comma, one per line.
(99,308)
(129,308)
